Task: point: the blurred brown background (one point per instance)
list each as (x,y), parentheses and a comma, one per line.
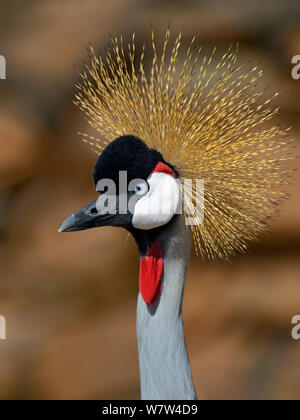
(70,299)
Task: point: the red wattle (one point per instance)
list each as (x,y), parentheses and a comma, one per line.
(151,268)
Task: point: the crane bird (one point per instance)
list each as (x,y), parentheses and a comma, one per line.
(187,119)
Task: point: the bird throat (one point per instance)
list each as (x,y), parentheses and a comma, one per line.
(151,270)
(163,359)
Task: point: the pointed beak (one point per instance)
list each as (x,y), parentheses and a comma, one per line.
(86,218)
(89,217)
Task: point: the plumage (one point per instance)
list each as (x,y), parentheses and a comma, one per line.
(188,119)
(207,119)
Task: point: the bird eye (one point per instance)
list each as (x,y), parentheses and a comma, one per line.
(141,189)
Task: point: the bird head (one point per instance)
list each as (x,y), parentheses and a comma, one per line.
(137,190)
(198,118)
(184,121)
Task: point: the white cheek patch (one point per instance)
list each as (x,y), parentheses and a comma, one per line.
(159,205)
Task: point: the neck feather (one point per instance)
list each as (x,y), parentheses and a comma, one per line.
(163,358)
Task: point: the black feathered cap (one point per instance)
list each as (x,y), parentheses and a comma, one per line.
(126,153)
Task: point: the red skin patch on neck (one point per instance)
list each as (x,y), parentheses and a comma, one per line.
(161,167)
(151,269)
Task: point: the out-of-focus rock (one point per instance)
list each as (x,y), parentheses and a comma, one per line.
(22,143)
(52,39)
(93,359)
(239,342)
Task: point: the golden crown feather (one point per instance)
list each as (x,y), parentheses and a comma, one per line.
(210,121)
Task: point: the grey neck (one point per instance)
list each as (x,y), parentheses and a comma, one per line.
(164,365)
